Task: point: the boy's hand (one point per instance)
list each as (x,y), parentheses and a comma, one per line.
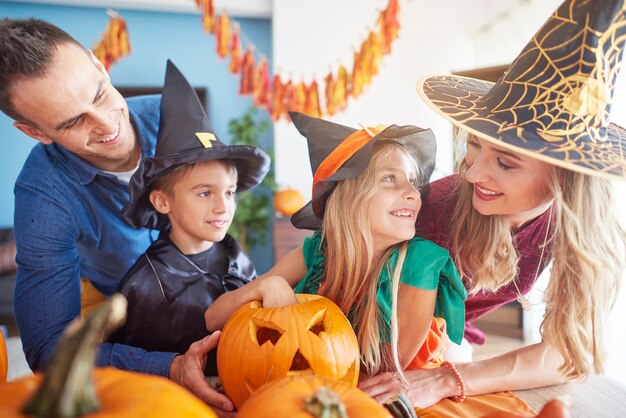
(276,292)
(188,371)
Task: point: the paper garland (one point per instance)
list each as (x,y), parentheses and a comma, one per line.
(114,43)
(279,96)
(274,94)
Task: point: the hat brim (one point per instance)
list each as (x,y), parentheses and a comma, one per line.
(458,99)
(420,143)
(306,219)
(252,166)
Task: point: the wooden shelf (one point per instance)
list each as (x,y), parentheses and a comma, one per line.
(506,321)
(287,237)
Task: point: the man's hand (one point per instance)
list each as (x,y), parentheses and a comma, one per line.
(188,371)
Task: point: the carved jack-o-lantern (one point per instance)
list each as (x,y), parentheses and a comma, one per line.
(261,344)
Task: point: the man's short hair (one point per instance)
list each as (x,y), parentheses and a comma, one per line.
(27,47)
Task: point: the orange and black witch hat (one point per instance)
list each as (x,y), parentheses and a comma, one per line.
(554,101)
(338,152)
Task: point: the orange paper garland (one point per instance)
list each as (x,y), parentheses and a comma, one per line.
(282,95)
(114,43)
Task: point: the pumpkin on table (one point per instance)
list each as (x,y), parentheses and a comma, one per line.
(71,387)
(120,394)
(308,396)
(262,344)
(4,359)
(554,408)
(288,201)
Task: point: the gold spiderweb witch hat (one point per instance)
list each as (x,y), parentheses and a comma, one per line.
(554,101)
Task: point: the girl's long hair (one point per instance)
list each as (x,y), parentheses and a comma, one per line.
(588,258)
(351,271)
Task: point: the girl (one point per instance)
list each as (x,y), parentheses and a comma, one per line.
(533,187)
(365,256)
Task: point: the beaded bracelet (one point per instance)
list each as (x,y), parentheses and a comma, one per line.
(459,381)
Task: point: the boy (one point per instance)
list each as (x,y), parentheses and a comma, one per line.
(187,191)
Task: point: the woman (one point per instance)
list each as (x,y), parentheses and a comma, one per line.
(533,187)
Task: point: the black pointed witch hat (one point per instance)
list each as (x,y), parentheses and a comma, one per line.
(186,137)
(554,101)
(338,152)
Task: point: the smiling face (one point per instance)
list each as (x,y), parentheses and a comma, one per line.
(200,205)
(394,206)
(507,183)
(74,105)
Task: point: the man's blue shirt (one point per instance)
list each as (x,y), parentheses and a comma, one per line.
(68,225)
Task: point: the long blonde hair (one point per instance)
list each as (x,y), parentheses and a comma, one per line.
(588,261)
(588,245)
(482,245)
(351,273)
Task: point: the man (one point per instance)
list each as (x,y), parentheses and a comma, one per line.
(70,193)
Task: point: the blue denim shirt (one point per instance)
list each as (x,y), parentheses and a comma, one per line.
(68,225)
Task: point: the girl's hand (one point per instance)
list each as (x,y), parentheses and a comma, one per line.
(426,386)
(276,292)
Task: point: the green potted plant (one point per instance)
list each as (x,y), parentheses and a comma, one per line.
(253,217)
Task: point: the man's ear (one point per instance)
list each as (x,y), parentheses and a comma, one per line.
(159,200)
(98,64)
(33,132)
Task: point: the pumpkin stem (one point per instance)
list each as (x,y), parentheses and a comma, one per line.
(67,390)
(399,406)
(325,403)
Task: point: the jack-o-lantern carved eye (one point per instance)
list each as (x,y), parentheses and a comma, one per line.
(319,323)
(263,332)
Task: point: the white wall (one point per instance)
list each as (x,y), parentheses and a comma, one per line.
(303,45)
(616,365)
(310,37)
(435,38)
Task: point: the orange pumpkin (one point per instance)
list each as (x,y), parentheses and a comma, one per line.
(303,397)
(4,359)
(262,344)
(121,394)
(71,387)
(552,409)
(288,201)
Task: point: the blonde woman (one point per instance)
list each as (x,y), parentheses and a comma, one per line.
(534,186)
(364,255)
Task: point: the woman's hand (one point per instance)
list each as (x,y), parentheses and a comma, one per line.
(525,368)
(426,386)
(276,292)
